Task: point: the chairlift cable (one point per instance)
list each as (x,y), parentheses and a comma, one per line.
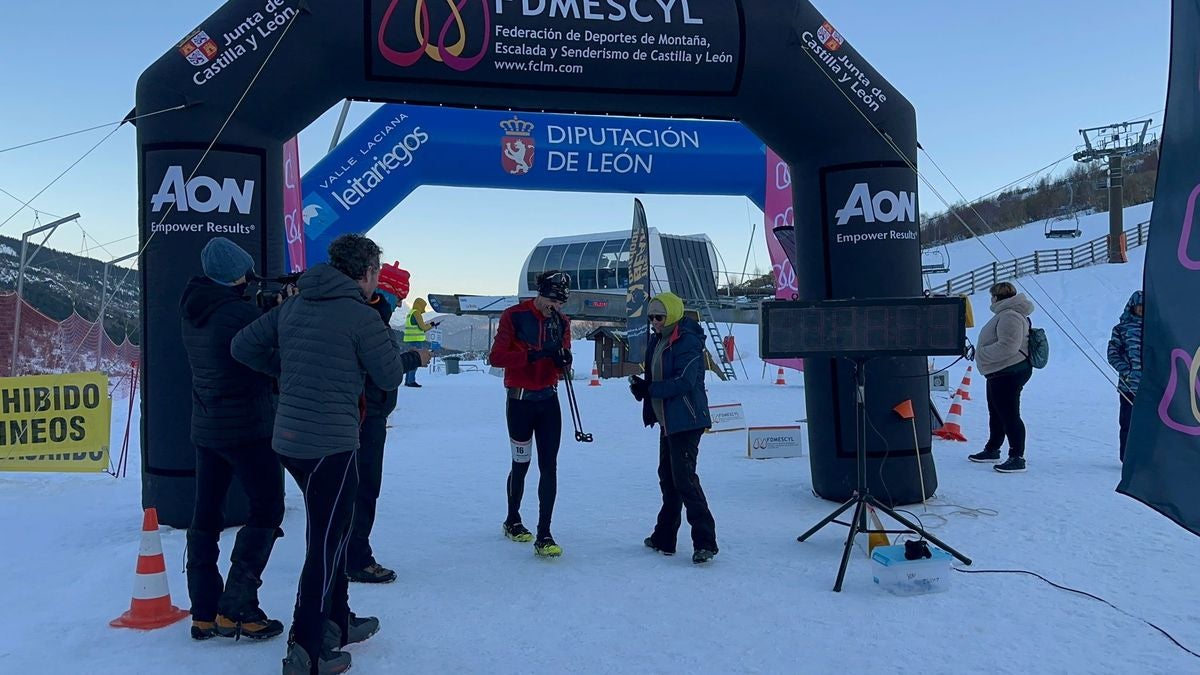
(25,205)
(98,126)
(199,163)
(911,165)
(1033,279)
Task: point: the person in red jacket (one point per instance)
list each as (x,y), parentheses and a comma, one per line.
(533,346)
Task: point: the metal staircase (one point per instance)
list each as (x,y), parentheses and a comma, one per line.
(704,307)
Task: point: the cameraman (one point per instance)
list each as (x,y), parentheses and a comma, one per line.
(533,346)
(232,416)
(322,344)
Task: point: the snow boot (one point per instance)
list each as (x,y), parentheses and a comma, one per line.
(985,456)
(358,629)
(372,574)
(702,555)
(253,624)
(518,533)
(649,542)
(203,630)
(299,662)
(238,612)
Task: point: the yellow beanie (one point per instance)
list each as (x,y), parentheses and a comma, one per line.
(671,306)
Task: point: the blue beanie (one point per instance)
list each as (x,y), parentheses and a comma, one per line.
(224,261)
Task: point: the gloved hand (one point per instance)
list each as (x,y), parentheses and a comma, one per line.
(538,354)
(381,305)
(639,388)
(562,358)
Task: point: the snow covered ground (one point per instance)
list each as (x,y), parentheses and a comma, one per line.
(470,601)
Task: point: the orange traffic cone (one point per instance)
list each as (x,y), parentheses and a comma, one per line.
(779,378)
(876,538)
(151,605)
(595,377)
(965,387)
(951,430)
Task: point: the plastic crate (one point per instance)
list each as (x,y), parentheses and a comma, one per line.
(893,573)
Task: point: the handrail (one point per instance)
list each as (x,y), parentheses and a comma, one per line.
(1041,262)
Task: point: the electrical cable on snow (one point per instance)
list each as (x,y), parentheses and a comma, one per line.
(1085,594)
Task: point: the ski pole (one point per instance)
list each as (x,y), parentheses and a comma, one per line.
(555,334)
(580,436)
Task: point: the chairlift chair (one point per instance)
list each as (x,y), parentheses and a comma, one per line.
(1066,224)
(1063,226)
(935,261)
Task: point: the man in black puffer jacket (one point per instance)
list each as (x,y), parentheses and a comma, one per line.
(322,344)
(232,415)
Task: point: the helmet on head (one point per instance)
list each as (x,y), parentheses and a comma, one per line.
(554,284)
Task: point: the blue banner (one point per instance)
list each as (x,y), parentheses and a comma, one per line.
(400,148)
(1161,467)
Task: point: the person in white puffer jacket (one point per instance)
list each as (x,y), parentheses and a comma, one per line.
(1003,358)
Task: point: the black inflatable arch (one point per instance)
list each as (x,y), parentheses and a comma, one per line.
(257,72)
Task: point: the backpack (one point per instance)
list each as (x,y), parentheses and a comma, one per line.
(1039,346)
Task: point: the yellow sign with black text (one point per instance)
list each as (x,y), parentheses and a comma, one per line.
(55,422)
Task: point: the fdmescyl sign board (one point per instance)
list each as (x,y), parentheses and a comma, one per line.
(692,46)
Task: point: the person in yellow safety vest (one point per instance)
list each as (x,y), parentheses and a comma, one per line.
(414,335)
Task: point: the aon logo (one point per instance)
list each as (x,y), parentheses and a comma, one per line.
(884,206)
(202,194)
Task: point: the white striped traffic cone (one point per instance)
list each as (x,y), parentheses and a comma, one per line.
(151,605)
(779,378)
(965,387)
(950,430)
(595,377)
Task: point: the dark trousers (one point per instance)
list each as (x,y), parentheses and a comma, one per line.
(257,467)
(1004,411)
(329,485)
(542,422)
(371,437)
(677,454)
(1123,419)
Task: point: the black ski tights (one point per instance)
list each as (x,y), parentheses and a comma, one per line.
(540,421)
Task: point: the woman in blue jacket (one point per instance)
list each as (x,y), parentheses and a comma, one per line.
(672,395)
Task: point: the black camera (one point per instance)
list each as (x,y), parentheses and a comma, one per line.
(915,550)
(272,290)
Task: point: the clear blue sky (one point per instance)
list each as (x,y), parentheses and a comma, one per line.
(1000,88)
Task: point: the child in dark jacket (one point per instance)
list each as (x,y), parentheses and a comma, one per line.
(1125,356)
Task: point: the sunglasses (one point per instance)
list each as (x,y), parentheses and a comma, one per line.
(657,317)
